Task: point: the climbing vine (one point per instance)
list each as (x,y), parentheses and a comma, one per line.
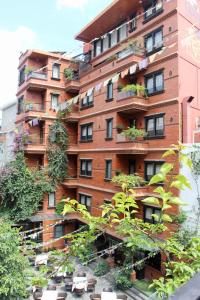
(56,152)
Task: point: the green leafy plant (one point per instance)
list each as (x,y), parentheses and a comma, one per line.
(101,269)
(138,89)
(131,181)
(68,73)
(133,133)
(122,281)
(60,207)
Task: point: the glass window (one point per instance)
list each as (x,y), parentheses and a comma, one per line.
(149,44)
(86,168)
(122,32)
(87,101)
(151,169)
(58,231)
(109,128)
(154,82)
(110,91)
(158,39)
(106,42)
(154,41)
(155,126)
(133,24)
(131,167)
(86,132)
(20,105)
(148,212)
(54,101)
(108,174)
(56,71)
(85,200)
(52,200)
(113,38)
(97,47)
(152,10)
(22,75)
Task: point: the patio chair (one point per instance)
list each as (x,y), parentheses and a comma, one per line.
(37,295)
(109,290)
(91,285)
(69,275)
(51,287)
(79,292)
(81,274)
(92,280)
(95,297)
(62,296)
(122,297)
(58,279)
(68,284)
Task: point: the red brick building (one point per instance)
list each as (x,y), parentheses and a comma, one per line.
(149,43)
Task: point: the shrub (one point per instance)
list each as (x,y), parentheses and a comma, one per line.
(122,281)
(101,269)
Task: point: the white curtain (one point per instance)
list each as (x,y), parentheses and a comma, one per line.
(158,39)
(159,82)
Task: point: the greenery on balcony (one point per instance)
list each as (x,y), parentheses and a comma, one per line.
(131,181)
(133,133)
(136,89)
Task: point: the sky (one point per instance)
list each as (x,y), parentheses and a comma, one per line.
(39,24)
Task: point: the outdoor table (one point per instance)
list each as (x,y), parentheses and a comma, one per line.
(80,283)
(108,296)
(41,259)
(49,295)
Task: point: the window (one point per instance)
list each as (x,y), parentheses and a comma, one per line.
(154,82)
(122,32)
(113,38)
(85,200)
(97,47)
(151,169)
(108,174)
(20,105)
(54,101)
(40,206)
(52,200)
(109,128)
(131,167)
(86,167)
(155,261)
(133,24)
(155,126)
(87,101)
(153,9)
(154,41)
(106,42)
(149,211)
(86,132)
(22,75)
(110,91)
(56,71)
(58,231)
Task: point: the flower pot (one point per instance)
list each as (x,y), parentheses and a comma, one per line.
(133,276)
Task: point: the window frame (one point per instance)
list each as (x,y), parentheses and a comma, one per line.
(108,96)
(52,77)
(56,236)
(154,209)
(155,11)
(155,164)
(153,76)
(50,206)
(87,138)
(107,162)
(152,34)
(88,102)
(22,75)
(85,200)
(85,173)
(57,96)
(109,121)
(154,118)
(20,105)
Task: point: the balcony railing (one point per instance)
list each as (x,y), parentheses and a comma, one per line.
(34,140)
(124,139)
(34,107)
(131,93)
(131,50)
(38,75)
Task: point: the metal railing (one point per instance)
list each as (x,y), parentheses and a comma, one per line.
(34,107)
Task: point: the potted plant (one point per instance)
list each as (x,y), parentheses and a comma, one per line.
(68,73)
(132,133)
(120,128)
(135,89)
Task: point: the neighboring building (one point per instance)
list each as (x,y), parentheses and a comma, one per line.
(7,133)
(97,150)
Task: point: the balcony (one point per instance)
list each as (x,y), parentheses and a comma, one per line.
(131,101)
(73,116)
(34,144)
(128,146)
(72,86)
(37,75)
(71,183)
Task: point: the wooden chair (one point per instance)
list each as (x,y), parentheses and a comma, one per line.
(79,292)
(37,295)
(122,297)
(62,296)
(91,285)
(95,297)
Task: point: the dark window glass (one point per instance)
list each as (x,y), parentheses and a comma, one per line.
(110,91)
(86,132)
(87,101)
(154,82)
(97,47)
(151,169)
(131,167)
(56,71)
(20,105)
(58,231)
(155,126)
(109,128)
(133,23)
(154,41)
(85,200)
(149,211)
(22,75)
(86,167)
(108,174)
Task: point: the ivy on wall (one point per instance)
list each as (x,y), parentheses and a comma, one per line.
(56,152)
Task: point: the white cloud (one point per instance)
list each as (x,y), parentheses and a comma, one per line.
(71,4)
(12,43)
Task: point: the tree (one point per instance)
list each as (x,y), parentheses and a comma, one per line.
(13,266)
